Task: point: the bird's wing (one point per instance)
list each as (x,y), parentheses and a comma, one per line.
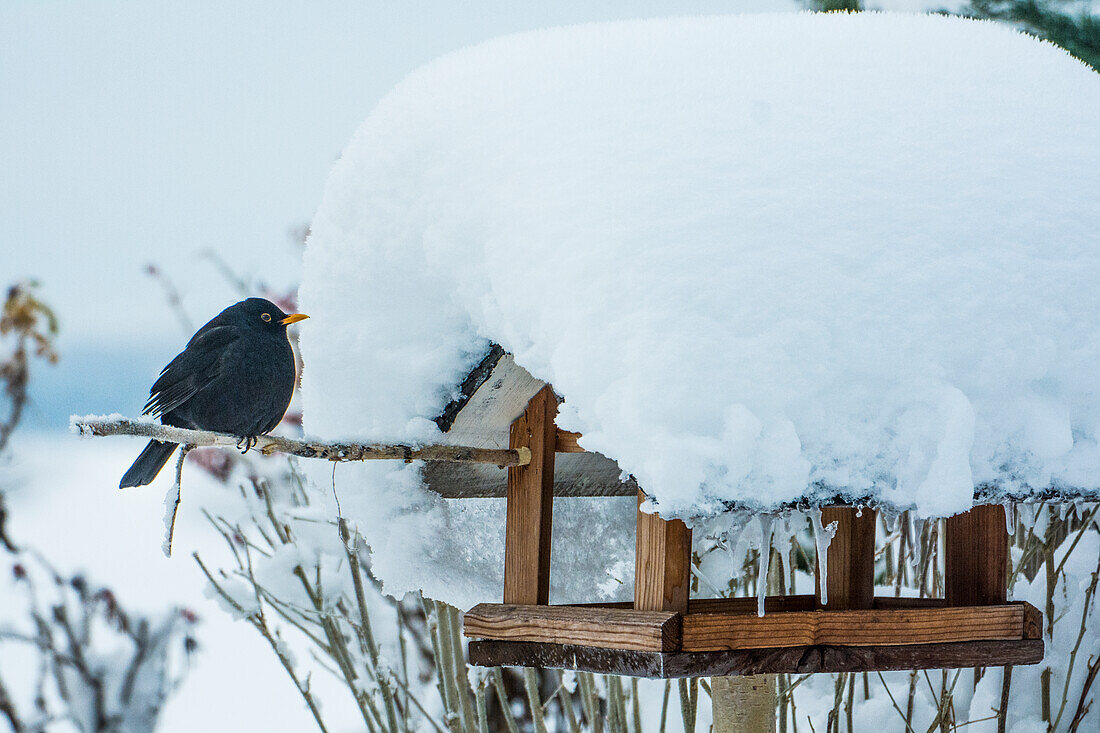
(194,368)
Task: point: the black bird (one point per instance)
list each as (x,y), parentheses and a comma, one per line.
(235,376)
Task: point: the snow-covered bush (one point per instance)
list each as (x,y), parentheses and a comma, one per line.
(72,656)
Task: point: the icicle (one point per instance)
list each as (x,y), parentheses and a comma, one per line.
(1028,514)
(767,524)
(916,531)
(736,541)
(823,537)
(859,510)
(1042,519)
(1063,507)
(889,518)
(1010,517)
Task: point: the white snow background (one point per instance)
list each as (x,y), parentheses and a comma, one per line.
(752,253)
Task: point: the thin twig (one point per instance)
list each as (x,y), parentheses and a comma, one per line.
(172,502)
(1082,705)
(276,646)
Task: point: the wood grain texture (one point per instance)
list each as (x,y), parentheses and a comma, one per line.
(887,627)
(567,442)
(851,558)
(976,557)
(1033,621)
(597,627)
(662,563)
(531,504)
(792,660)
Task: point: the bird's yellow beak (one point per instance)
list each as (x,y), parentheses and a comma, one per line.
(293,318)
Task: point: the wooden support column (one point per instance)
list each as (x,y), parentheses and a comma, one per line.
(531,504)
(850,576)
(976,557)
(662,563)
(743,704)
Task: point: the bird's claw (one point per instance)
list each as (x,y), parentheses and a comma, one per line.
(248,441)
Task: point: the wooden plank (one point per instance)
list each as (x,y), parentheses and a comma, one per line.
(567,442)
(470,386)
(774,604)
(976,557)
(850,580)
(1033,621)
(531,504)
(597,627)
(717,631)
(791,660)
(662,563)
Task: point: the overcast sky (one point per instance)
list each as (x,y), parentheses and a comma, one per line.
(150,132)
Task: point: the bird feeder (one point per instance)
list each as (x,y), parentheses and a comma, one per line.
(663,633)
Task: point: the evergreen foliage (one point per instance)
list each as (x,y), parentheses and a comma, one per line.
(1062,22)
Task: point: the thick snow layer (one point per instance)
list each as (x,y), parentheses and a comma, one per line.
(754,254)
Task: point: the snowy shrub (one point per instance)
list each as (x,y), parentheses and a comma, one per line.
(72,657)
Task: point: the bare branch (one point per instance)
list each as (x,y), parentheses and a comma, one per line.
(268,444)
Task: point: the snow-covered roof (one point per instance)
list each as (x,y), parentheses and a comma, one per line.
(756,255)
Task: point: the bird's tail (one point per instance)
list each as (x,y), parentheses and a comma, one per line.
(148,464)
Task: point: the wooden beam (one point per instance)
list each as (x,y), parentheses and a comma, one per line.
(598,627)
(850,577)
(662,563)
(567,442)
(531,503)
(976,557)
(930,625)
(791,660)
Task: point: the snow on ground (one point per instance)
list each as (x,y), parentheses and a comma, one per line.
(752,253)
(64,501)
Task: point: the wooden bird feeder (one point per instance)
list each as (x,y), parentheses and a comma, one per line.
(663,633)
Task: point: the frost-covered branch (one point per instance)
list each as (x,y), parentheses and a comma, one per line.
(117,425)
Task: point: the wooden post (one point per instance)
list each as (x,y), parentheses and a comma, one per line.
(976,557)
(662,563)
(743,704)
(850,576)
(531,504)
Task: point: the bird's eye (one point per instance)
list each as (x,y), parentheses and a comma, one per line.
(265,317)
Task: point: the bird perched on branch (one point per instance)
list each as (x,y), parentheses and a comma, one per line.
(235,376)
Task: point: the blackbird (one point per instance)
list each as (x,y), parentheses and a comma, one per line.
(235,376)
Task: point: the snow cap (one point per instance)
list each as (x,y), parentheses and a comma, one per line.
(755,255)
